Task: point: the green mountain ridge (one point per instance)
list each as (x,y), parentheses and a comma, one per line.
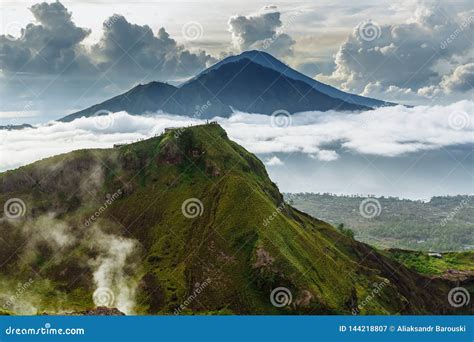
(186,223)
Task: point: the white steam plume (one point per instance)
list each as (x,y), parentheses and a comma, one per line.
(113,287)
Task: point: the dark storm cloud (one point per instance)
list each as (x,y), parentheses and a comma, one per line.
(51,46)
(54,45)
(49,67)
(128,47)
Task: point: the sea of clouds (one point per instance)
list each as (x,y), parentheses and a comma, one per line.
(388,132)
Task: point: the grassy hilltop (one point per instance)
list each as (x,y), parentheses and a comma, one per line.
(243,242)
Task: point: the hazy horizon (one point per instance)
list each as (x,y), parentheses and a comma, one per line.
(418,154)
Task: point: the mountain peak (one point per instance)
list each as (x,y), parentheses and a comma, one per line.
(253,81)
(253,53)
(267,60)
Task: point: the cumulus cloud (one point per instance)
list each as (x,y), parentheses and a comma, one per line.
(379,90)
(325,155)
(263,31)
(54,45)
(462,79)
(51,46)
(388,131)
(274,161)
(51,59)
(129,47)
(404,58)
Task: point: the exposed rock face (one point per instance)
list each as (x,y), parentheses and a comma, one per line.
(458,275)
(263,259)
(171,154)
(304,299)
(99,311)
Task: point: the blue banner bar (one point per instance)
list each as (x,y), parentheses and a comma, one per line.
(238,328)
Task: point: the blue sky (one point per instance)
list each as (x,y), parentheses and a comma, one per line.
(59,57)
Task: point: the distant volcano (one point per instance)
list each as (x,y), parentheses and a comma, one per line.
(253,81)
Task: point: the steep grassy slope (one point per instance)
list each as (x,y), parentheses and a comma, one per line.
(154,257)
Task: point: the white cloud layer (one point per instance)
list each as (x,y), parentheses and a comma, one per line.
(389,131)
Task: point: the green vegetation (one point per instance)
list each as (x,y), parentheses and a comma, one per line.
(425,263)
(346,231)
(443,224)
(4,312)
(243,241)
